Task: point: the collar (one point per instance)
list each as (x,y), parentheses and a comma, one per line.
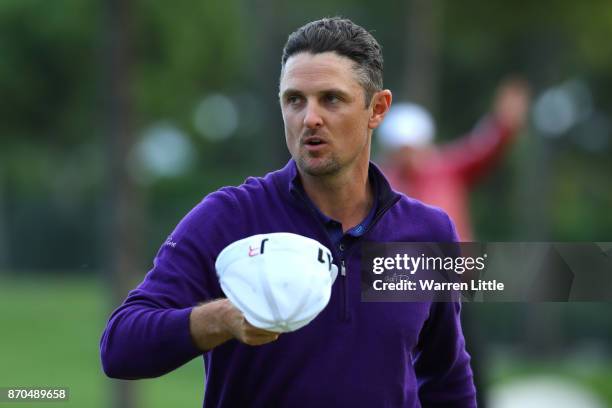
(333,226)
(384,197)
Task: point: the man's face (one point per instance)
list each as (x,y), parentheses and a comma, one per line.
(327,124)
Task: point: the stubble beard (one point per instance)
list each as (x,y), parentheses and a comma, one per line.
(326,167)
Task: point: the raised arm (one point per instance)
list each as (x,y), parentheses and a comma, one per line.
(473,155)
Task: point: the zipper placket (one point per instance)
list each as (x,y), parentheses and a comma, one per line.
(338,256)
(346,255)
(344,287)
(344,315)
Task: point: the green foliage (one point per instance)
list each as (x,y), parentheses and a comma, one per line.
(54,71)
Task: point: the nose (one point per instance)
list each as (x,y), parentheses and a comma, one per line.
(312,118)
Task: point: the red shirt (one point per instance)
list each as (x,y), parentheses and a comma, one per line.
(444,175)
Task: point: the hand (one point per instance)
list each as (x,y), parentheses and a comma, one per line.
(242,330)
(512,103)
(214,323)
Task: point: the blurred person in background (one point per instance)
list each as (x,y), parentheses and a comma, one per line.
(399,354)
(443,175)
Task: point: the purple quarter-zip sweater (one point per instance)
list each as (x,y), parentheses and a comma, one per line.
(354,354)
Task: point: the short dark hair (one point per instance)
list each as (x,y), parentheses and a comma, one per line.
(346,38)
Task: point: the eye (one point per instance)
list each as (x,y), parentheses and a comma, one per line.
(293,99)
(332,98)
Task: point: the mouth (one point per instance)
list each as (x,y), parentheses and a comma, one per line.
(313,141)
(314,144)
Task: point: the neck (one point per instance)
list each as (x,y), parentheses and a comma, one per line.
(346,197)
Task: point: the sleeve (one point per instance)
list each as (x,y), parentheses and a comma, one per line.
(442,363)
(473,155)
(148,335)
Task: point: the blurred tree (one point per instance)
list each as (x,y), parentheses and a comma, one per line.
(421,52)
(123,209)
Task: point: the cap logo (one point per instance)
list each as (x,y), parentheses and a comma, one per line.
(329,258)
(258,251)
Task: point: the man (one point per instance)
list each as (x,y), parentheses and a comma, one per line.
(353,354)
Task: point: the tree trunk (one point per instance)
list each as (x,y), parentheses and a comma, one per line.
(122,202)
(422,45)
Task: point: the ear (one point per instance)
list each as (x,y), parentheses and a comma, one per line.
(379,106)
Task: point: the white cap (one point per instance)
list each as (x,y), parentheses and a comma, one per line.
(279,281)
(406,124)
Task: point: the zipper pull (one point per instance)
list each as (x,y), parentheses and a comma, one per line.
(342,269)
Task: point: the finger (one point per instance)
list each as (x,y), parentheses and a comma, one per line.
(260,336)
(256,330)
(261,332)
(258,341)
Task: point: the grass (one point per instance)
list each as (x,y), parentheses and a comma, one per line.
(50,329)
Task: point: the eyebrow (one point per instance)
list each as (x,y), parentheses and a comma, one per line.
(292,91)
